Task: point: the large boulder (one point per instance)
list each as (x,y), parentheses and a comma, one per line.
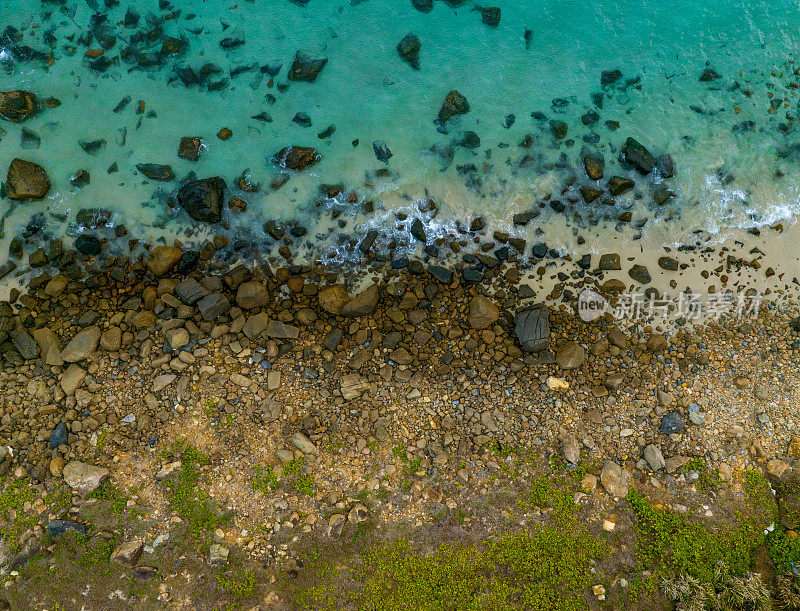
(532,328)
(306,68)
(162,259)
(26,181)
(615,479)
(482,313)
(83,345)
(296,157)
(333,298)
(454,104)
(203,199)
(83,477)
(362,304)
(17,105)
(252,295)
(156,171)
(635,154)
(408,49)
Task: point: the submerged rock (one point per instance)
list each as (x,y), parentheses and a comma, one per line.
(88,244)
(26,181)
(306,68)
(490,15)
(156,171)
(190,147)
(17,105)
(636,154)
(617,185)
(408,49)
(203,199)
(297,157)
(382,151)
(423,6)
(454,104)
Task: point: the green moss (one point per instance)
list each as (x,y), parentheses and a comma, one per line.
(17,521)
(293,468)
(305,485)
(186,496)
(238,584)
(709,479)
(115,499)
(673,544)
(264,479)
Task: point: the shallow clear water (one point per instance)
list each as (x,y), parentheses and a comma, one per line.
(730,141)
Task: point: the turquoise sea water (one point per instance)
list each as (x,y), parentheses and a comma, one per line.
(734,139)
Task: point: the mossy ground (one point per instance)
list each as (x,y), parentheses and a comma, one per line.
(528,545)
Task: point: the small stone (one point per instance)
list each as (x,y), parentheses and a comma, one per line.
(83,345)
(483,313)
(571,355)
(615,479)
(218,555)
(303,443)
(654,457)
(83,477)
(128,552)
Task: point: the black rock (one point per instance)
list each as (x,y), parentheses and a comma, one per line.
(203,199)
(368,241)
(156,171)
(532,328)
(468,139)
(442,274)
(590,118)
(306,68)
(423,6)
(708,75)
(672,422)
(408,49)
(609,76)
(617,185)
(635,154)
(92,147)
(188,262)
(81,179)
(399,263)
(539,250)
(640,274)
(523,218)
(418,231)
(490,15)
(509,120)
(327,132)
(472,274)
(302,119)
(382,152)
(58,436)
(559,129)
(88,244)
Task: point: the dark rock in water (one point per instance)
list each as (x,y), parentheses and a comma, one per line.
(590,194)
(662,195)
(635,154)
(454,104)
(418,231)
(668,263)
(597,99)
(173,47)
(472,274)
(113,168)
(528,38)
(593,164)
(665,166)
(327,132)
(490,15)
(607,77)
(17,105)
(92,147)
(302,119)
(92,218)
(272,68)
(81,179)
(523,218)
(368,241)
(16,248)
(88,244)
(532,328)
(640,274)
(557,206)
(264,117)
(708,75)
(477,224)
(190,147)
(423,6)
(539,250)
(58,436)
(585,262)
(156,171)
(382,151)
(131,19)
(559,129)
(399,263)
(188,262)
(590,118)
(612,125)
(29,139)
(617,185)
(59,527)
(232,42)
(442,274)
(123,103)
(408,49)
(26,181)
(468,139)
(306,68)
(671,422)
(509,120)
(296,157)
(203,199)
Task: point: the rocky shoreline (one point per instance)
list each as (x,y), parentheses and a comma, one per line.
(320,402)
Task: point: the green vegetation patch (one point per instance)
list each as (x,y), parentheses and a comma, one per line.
(15,519)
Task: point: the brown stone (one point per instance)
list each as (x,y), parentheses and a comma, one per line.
(26,181)
(332,298)
(162,259)
(482,313)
